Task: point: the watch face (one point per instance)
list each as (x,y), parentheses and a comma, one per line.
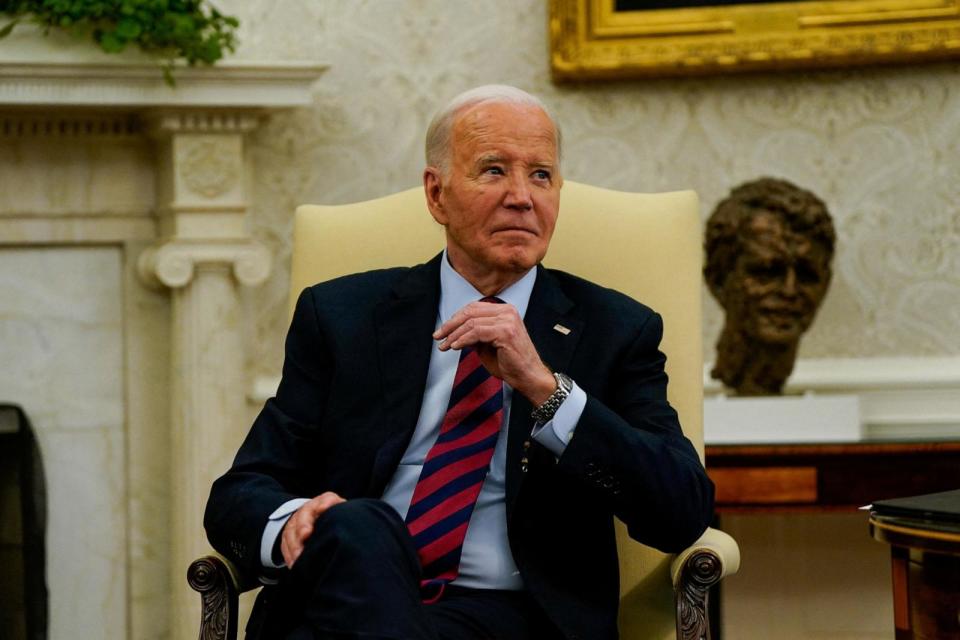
(565,382)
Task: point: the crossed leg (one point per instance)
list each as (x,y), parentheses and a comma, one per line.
(358,578)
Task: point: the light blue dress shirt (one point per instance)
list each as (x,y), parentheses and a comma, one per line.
(486,561)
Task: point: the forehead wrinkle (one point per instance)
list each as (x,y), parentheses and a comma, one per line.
(477,126)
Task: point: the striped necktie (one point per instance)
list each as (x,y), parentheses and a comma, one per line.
(454,471)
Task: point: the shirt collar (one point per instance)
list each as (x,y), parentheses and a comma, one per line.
(456,292)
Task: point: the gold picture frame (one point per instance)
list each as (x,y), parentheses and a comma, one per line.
(593,39)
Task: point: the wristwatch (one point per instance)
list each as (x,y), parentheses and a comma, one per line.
(545,412)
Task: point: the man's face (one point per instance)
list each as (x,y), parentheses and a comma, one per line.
(779,280)
(500,197)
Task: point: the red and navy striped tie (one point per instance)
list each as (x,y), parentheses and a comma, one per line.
(453,473)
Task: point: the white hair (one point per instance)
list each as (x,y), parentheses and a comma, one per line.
(438,133)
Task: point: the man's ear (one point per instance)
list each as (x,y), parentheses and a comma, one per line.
(433,189)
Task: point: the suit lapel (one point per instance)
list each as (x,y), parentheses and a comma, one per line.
(549,309)
(404,324)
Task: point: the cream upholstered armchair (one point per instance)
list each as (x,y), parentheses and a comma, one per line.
(645,245)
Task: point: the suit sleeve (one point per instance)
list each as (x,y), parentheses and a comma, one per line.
(630,451)
(278,458)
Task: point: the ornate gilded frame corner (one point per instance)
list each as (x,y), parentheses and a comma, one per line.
(592,40)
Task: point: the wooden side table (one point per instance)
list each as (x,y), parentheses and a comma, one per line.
(765,478)
(926,576)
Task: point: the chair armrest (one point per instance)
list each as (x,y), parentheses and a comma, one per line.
(713,556)
(219,583)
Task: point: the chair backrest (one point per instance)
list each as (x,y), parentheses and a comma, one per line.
(645,245)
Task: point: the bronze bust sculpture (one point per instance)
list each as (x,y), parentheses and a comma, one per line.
(769,245)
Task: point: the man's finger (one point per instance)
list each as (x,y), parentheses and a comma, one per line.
(492,319)
(472,310)
(290,544)
(471,332)
(296,531)
(301,524)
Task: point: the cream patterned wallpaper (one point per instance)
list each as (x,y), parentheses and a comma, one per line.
(879,145)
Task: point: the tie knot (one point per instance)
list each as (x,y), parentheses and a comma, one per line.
(493,299)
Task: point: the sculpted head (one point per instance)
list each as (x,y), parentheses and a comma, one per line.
(493,181)
(769,245)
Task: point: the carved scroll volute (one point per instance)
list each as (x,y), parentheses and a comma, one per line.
(701,571)
(210,577)
(173,264)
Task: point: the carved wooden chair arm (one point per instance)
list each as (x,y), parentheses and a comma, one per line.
(219,583)
(694,571)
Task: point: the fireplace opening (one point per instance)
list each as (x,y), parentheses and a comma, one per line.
(23,516)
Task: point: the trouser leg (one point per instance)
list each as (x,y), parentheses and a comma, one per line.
(486,614)
(358,577)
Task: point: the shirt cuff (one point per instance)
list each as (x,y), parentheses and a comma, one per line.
(274,525)
(556,433)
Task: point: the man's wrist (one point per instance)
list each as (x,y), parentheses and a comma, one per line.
(544,387)
(545,411)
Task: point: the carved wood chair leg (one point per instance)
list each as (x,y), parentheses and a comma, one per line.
(701,571)
(211,578)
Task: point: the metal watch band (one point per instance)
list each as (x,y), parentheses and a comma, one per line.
(545,412)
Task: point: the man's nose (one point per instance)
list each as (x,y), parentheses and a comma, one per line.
(518,194)
(790,282)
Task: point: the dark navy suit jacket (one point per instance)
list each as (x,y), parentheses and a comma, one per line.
(353,379)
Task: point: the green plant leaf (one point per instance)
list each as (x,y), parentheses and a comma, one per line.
(128,29)
(171,30)
(110,43)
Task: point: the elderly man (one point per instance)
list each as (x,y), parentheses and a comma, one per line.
(450,442)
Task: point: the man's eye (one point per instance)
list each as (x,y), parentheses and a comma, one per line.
(497,171)
(541,174)
(808,273)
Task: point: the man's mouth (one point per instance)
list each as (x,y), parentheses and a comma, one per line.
(515,229)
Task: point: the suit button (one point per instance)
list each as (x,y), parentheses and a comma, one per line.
(591,467)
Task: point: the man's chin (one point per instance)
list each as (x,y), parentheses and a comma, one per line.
(779,336)
(520,264)
(516,259)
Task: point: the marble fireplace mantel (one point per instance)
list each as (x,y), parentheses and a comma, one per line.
(138,86)
(63,71)
(99,152)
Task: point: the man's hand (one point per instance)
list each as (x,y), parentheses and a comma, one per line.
(300,525)
(496,331)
